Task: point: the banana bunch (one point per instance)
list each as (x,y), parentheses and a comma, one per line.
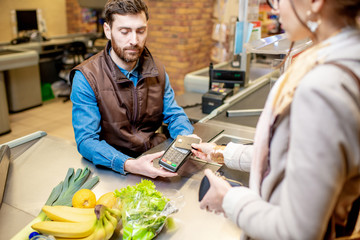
(79,223)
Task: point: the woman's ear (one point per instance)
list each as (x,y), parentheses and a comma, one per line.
(107,31)
(317,5)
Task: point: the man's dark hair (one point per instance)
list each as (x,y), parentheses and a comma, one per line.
(124,7)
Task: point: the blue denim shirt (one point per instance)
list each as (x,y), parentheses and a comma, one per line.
(86,121)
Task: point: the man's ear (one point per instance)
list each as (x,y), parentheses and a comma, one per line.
(107,31)
(317,5)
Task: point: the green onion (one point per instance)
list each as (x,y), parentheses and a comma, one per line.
(62,195)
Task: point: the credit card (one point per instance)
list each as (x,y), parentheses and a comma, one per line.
(185,142)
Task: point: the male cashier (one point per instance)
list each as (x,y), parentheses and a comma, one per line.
(122,95)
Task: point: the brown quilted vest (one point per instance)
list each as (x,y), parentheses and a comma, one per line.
(129,115)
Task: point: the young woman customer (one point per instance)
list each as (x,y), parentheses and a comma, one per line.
(305,162)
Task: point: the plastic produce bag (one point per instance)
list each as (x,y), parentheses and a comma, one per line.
(145,210)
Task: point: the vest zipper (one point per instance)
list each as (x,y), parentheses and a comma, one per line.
(135,104)
(135,114)
(136,98)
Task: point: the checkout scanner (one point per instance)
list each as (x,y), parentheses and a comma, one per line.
(216,96)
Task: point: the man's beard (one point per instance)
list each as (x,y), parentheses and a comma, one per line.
(126,56)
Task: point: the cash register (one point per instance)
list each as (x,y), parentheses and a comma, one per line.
(216,95)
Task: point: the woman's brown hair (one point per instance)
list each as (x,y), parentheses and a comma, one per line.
(349,9)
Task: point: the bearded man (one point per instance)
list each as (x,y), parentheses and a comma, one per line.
(122,95)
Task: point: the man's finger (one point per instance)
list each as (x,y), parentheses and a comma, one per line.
(155,155)
(164,173)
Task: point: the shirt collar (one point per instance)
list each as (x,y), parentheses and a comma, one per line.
(133,73)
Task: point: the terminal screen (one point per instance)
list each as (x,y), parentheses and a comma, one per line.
(26,20)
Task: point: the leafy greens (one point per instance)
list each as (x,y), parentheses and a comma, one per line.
(142,210)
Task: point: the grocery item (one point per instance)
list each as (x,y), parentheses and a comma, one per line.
(84,198)
(144,210)
(69,214)
(62,195)
(66,229)
(107,199)
(102,226)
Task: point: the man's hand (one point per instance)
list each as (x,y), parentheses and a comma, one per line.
(144,166)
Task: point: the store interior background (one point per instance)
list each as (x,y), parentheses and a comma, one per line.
(181,34)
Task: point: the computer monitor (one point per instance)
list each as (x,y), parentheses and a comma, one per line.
(26,20)
(228,77)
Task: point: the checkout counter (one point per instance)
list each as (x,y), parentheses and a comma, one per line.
(39,162)
(19,83)
(51,51)
(23,67)
(245,106)
(261,79)
(4,110)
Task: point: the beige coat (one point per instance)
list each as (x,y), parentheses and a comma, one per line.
(314,155)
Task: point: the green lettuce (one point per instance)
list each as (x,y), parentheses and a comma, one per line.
(142,206)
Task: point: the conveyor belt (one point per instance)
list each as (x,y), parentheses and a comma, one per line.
(255,100)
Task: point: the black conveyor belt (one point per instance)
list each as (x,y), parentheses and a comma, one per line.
(255,100)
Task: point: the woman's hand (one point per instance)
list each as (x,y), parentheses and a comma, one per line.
(213,199)
(144,166)
(203,150)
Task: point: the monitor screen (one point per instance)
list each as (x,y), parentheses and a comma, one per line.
(26,20)
(227,76)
